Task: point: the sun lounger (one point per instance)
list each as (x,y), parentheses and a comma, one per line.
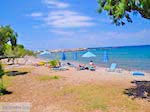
(71,65)
(91,68)
(82,68)
(60,68)
(40,63)
(113,68)
(136,73)
(63,68)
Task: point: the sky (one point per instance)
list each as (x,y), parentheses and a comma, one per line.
(64,24)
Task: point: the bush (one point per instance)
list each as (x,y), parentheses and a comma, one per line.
(47,77)
(1,71)
(53,63)
(18,51)
(2,89)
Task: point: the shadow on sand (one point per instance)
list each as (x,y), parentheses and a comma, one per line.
(11,73)
(15,73)
(140,90)
(4,92)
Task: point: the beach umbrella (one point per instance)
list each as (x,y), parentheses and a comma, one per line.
(75,56)
(105,57)
(88,55)
(45,53)
(63,56)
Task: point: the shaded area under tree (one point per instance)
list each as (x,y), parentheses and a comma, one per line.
(15,73)
(5,92)
(140,90)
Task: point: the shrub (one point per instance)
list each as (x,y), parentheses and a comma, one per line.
(47,77)
(1,78)
(1,71)
(18,51)
(53,63)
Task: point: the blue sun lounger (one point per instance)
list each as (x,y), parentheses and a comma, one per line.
(136,73)
(71,65)
(60,68)
(112,67)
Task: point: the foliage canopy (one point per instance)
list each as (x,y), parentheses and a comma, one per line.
(120,9)
(7,34)
(18,51)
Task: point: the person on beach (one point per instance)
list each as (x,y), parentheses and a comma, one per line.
(82,67)
(92,66)
(91,63)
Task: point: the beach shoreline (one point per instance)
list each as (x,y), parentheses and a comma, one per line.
(132,58)
(30,60)
(104,66)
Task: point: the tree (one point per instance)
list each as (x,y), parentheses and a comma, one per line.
(120,9)
(18,51)
(7,34)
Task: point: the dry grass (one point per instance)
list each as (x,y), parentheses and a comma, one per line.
(47,77)
(5,83)
(90,97)
(7,80)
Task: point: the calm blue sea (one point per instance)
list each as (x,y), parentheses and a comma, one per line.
(130,58)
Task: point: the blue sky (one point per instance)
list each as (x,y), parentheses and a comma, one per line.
(60,24)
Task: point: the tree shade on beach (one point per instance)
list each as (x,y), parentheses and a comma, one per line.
(120,9)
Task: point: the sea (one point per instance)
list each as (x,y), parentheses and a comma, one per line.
(126,57)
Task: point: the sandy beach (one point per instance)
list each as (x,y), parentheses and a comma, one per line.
(46,95)
(75,56)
